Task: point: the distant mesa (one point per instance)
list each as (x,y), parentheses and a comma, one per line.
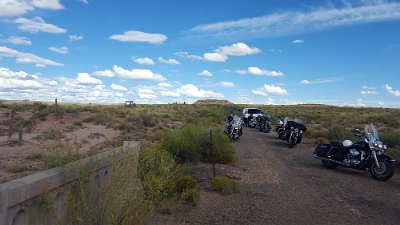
(213,102)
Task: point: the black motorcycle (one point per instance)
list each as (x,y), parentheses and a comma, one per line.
(294,132)
(367,155)
(264,123)
(280,129)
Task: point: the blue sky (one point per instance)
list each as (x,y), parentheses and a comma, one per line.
(246,51)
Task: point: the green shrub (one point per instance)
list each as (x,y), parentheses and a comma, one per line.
(52,134)
(155,170)
(225,185)
(337,132)
(15,168)
(60,154)
(100,118)
(391,139)
(191,195)
(184,183)
(321,140)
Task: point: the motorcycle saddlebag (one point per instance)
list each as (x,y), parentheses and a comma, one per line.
(322,150)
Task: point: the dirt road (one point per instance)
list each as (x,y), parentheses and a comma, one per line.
(288,186)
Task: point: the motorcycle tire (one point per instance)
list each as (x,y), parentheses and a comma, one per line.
(384,173)
(329,164)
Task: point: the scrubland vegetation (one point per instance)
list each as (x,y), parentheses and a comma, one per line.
(174,136)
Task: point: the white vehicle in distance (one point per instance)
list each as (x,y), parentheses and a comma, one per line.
(251,111)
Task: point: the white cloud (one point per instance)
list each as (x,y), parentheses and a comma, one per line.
(222,54)
(19,84)
(22,57)
(143,61)
(104,73)
(137,74)
(84,1)
(205,73)
(368,92)
(75,37)
(20,7)
(61,50)
(37,24)
(269,90)
(164,85)
(139,36)
(22,80)
(390,90)
(86,79)
(237,49)
(117,87)
(168,61)
(259,72)
(191,90)
(225,84)
(168,93)
(146,93)
(321,81)
(214,57)
(17,40)
(305,82)
(294,22)
(186,55)
(298,41)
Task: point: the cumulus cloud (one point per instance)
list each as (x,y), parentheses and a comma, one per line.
(139,36)
(221,54)
(137,74)
(20,7)
(225,84)
(104,73)
(295,22)
(205,73)
(259,72)
(298,41)
(269,90)
(117,87)
(61,50)
(17,40)
(86,79)
(191,90)
(169,93)
(22,57)
(168,61)
(186,55)
(391,91)
(75,37)
(37,24)
(164,85)
(21,80)
(305,82)
(146,93)
(143,61)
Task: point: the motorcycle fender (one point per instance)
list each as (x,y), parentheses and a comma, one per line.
(385,158)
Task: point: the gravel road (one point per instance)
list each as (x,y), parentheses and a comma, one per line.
(288,186)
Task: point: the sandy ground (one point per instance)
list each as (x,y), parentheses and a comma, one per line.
(288,186)
(28,155)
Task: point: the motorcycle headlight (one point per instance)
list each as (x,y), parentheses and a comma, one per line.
(296,130)
(380,146)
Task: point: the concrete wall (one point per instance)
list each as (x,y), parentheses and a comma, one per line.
(25,201)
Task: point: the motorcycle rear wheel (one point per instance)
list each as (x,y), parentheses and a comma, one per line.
(384,173)
(329,164)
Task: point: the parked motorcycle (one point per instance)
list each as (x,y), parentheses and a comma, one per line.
(234,128)
(367,154)
(294,130)
(252,121)
(280,129)
(264,123)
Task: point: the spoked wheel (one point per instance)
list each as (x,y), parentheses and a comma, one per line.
(384,172)
(329,164)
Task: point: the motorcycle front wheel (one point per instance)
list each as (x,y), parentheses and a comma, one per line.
(382,173)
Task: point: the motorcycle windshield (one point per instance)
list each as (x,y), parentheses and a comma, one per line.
(237,121)
(371,133)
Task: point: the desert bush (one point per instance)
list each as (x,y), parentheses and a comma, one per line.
(337,132)
(52,134)
(119,201)
(155,170)
(191,195)
(192,143)
(100,118)
(391,139)
(15,168)
(321,140)
(225,185)
(185,183)
(59,154)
